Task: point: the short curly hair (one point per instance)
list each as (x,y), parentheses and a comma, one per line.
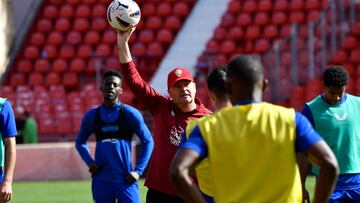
(336,76)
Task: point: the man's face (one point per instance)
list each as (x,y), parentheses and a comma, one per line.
(183,92)
(111,88)
(333,95)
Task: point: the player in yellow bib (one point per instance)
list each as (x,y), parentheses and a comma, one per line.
(220,99)
(252,147)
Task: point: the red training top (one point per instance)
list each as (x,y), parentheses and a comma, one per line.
(169,124)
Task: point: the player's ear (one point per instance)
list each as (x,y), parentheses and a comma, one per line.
(265,84)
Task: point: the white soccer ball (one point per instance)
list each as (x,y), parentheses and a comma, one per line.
(123,13)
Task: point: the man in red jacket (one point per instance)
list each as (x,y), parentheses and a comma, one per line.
(171,115)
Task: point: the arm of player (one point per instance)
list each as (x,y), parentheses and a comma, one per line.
(321,156)
(181,168)
(10,159)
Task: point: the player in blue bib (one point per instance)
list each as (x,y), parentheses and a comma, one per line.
(114,124)
(335,114)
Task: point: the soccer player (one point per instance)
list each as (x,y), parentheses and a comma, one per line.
(220,99)
(252,147)
(114,124)
(335,116)
(171,115)
(7,155)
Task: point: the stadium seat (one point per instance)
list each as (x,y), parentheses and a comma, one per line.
(84,51)
(36,79)
(252,32)
(164,36)
(66,11)
(172,22)
(70,80)
(271,32)
(31,52)
(103,49)
(235,33)
(265,5)
(46,124)
(234,7)
(227,47)
(243,19)
(340,57)
(261,46)
(82,11)
(55,38)
(49,51)
(77,65)
(66,51)
(219,33)
(59,65)
(297,17)
(112,63)
(181,9)
(313,5)
(98,10)
(99,24)
(249,6)
(164,9)
(62,25)
(56,2)
(297,5)
(155,50)
(148,9)
(37,39)
(73,37)
(281,5)
(313,15)
(17,79)
(355,56)
(356,29)
(93,64)
(50,12)
(146,36)
(227,20)
(350,42)
(89,2)
(92,37)
(52,78)
(285,30)
(138,49)
(81,24)
(76,118)
(44,25)
(212,46)
(109,37)
(24,66)
(261,19)
(153,23)
(73,2)
(279,18)
(297,98)
(42,65)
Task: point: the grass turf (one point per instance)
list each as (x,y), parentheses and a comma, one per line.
(69,191)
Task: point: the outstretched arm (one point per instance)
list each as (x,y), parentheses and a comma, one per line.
(181,168)
(321,156)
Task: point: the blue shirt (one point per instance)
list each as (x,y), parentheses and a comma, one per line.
(7,121)
(113,156)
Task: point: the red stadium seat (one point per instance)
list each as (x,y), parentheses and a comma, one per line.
(261,46)
(109,37)
(297,5)
(89,2)
(261,19)
(253,32)
(112,63)
(148,9)
(313,15)
(285,30)
(244,19)
(73,2)
(63,123)
(62,25)
(350,42)
(77,65)
(355,56)
(31,52)
(146,36)
(70,80)
(81,24)
(313,5)
(42,65)
(66,51)
(356,29)
(93,64)
(99,24)
(227,47)
(235,33)
(212,46)
(138,49)
(164,36)
(155,50)
(36,79)
(98,10)
(84,51)
(265,5)
(50,12)
(66,11)
(59,66)
(271,32)
(220,33)
(227,20)
(46,125)
(82,11)
(49,51)
(250,6)
(37,39)
(44,25)
(17,79)
(281,5)
(234,7)
(153,23)
(103,50)
(164,9)
(56,2)
(92,37)
(55,38)
(303,31)
(279,18)
(181,9)
(24,66)
(173,22)
(52,78)
(73,37)
(297,17)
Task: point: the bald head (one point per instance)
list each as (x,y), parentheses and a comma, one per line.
(245,78)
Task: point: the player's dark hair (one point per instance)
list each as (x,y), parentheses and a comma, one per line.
(216,81)
(110,73)
(246,69)
(335,76)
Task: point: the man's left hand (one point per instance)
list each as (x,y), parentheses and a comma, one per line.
(132,177)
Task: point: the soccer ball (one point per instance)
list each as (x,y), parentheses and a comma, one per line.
(123,13)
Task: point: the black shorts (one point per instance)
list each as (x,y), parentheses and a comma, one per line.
(154,196)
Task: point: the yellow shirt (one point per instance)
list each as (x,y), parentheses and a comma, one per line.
(251,151)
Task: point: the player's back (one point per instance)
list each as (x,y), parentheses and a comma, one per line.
(257,142)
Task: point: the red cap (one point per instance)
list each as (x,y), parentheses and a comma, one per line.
(178,74)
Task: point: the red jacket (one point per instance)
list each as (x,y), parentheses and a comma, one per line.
(169,124)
